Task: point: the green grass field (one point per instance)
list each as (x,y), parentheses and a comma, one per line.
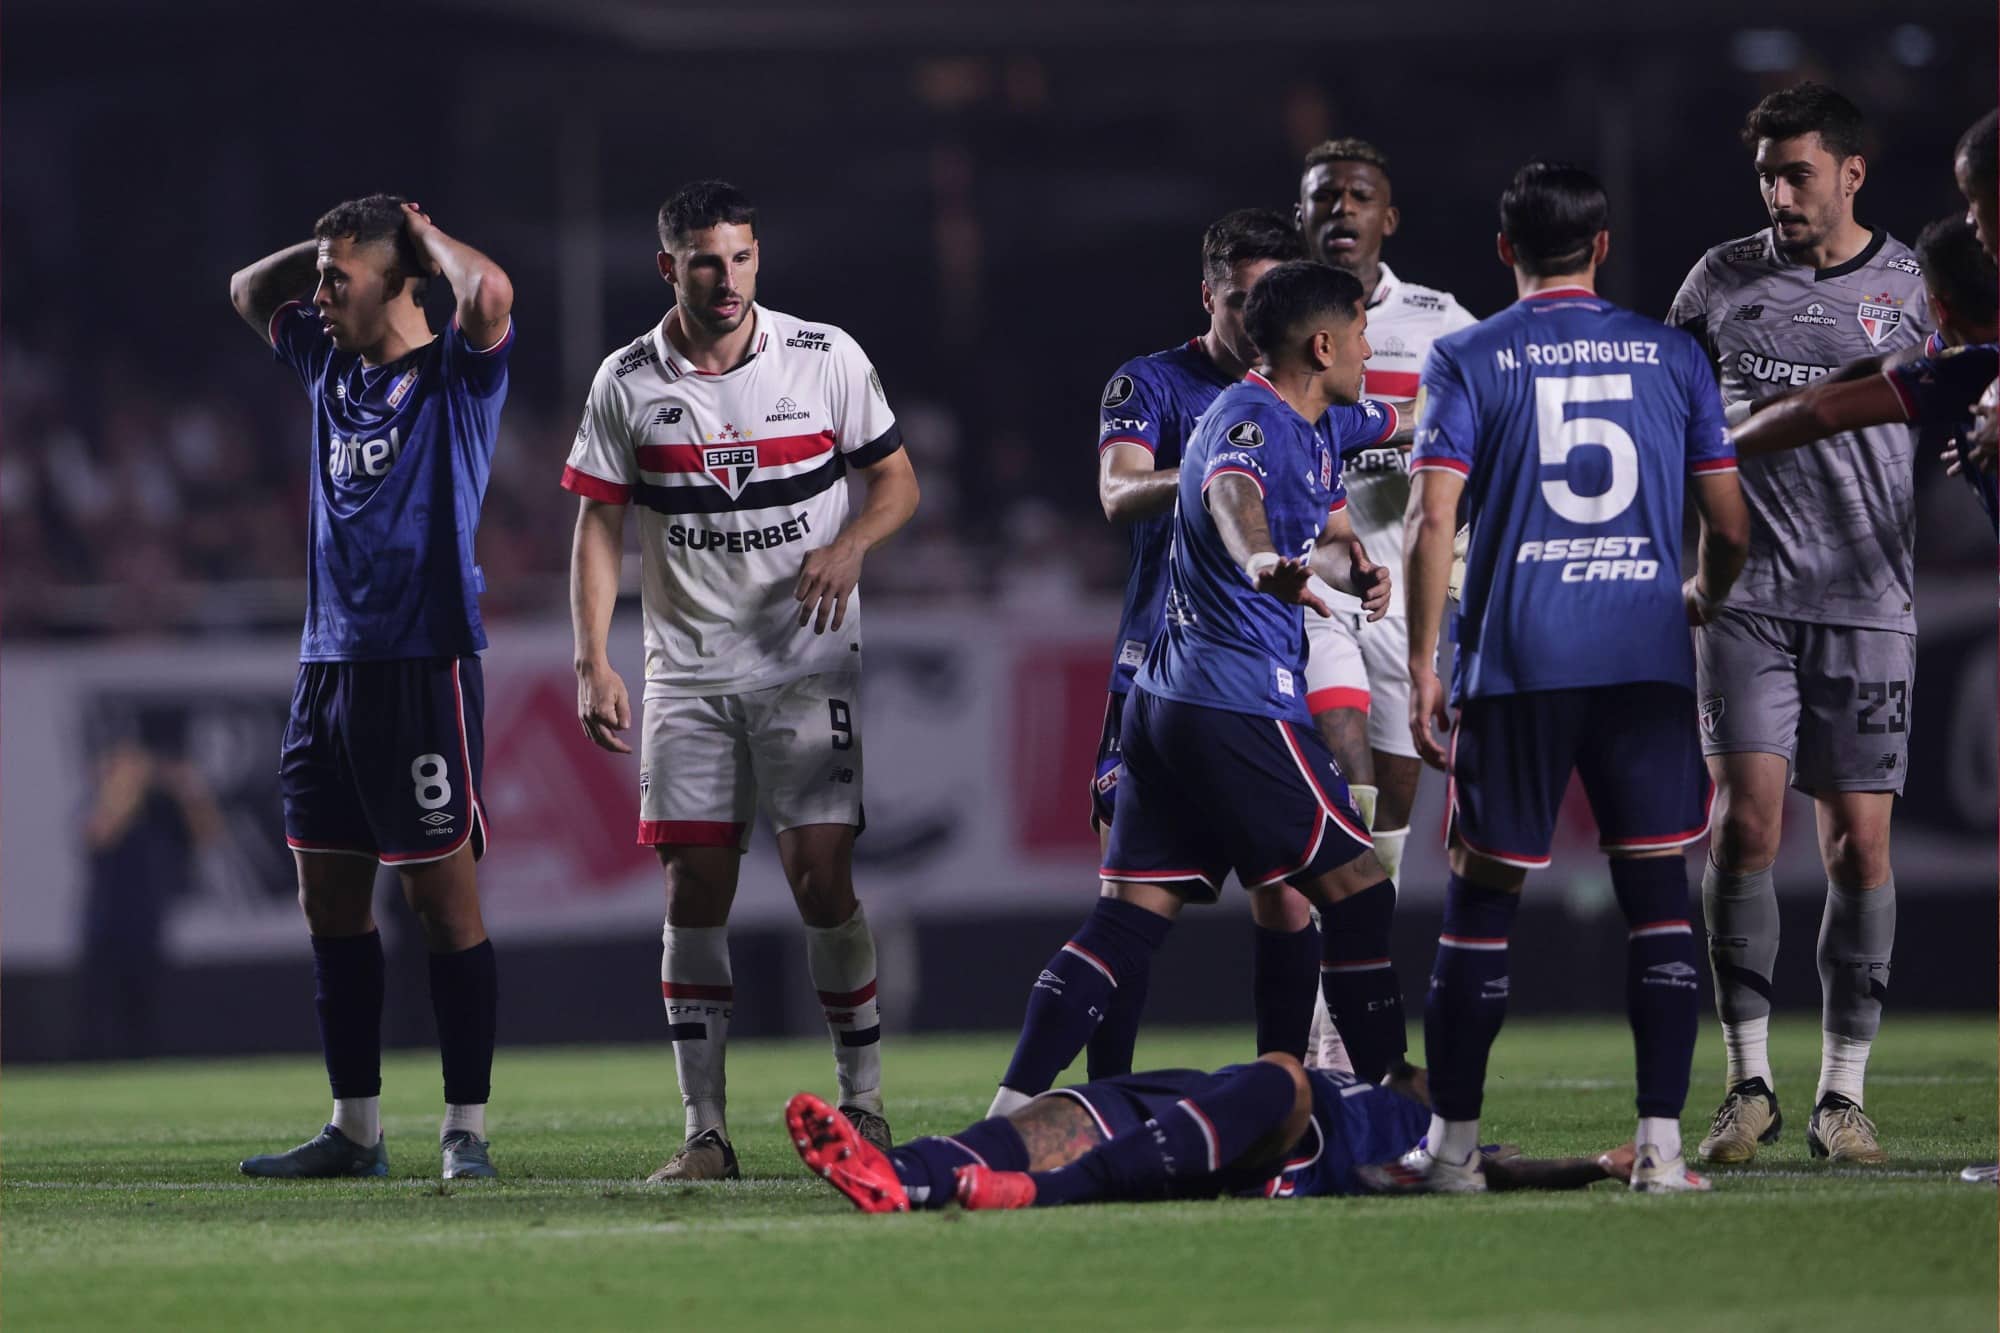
(123,1209)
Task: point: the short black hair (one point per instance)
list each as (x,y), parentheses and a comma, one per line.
(1551,213)
(1346,150)
(1294,293)
(1808,108)
(1979,148)
(1958,269)
(1246,234)
(378,217)
(702,205)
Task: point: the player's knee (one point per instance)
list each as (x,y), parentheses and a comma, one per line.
(1281,909)
(1745,838)
(1856,859)
(699,887)
(825,899)
(1484,871)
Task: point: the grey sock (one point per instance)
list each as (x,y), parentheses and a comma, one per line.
(1856,937)
(1741,912)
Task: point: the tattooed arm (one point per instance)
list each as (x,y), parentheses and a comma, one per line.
(1057,1132)
(288,275)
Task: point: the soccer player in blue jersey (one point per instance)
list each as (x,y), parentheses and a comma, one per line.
(1145,417)
(1271,1129)
(1570,426)
(381,760)
(1222,769)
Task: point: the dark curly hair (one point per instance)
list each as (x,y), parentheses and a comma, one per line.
(378,217)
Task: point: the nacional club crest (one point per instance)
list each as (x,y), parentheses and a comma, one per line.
(1879,316)
(730,464)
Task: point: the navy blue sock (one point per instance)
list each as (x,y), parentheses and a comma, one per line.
(926,1166)
(1069,999)
(1109,1052)
(465,997)
(1661,996)
(1359,980)
(1468,995)
(1179,1147)
(347,971)
(1285,979)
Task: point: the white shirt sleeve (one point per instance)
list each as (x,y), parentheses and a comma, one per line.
(602,463)
(863,426)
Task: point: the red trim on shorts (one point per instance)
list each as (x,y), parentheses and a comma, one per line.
(690,833)
(1353,831)
(332,848)
(1207,1128)
(688,990)
(1665,840)
(1153,876)
(848,999)
(596,488)
(1336,696)
(473,817)
(1312,850)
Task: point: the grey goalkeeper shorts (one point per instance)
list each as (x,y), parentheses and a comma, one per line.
(1834,700)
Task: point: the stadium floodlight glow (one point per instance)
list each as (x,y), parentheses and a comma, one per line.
(1766,50)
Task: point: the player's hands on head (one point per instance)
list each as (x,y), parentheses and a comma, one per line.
(418,223)
(1371,583)
(603,707)
(1290,581)
(826,580)
(1429,704)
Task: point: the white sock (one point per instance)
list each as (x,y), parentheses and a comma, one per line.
(1389,850)
(1324,1048)
(1748,1045)
(1364,802)
(1006,1102)
(700,995)
(1662,1133)
(1453,1141)
(360,1118)
(842,962)
(470,1117)
(1843,1063)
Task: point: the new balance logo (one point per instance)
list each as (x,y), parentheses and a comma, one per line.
(1748,312)
(667,416)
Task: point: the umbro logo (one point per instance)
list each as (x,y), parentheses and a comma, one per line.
(1674,969)
(667,416)
(437,819)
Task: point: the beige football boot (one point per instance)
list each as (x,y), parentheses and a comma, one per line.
(1747,1117)
(706,1156)
(1839,1132)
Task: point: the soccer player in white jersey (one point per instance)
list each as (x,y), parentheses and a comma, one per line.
(731,427)
(1357,680)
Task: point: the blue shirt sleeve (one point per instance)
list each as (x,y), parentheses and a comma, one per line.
(298,340)
(1708,445)
(480,371)
(1444,417)
(1361,425)
(1941,387)
(1242,448)
(1131,410)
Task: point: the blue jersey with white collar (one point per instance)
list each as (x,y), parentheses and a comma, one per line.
(1575,424)
(1152,402)
(1225,645)
(401,456)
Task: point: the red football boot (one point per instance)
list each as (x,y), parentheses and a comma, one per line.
(828,1144)
(983,1187)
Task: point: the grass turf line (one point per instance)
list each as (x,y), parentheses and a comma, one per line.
(123,1208)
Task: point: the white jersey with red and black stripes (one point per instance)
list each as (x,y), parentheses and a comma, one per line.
(736,476)
(1404,319)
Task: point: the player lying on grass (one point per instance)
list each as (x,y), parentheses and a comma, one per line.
(1271,1128)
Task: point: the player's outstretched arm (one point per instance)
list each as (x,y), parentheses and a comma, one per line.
(1236,503)
(288,275)
(1725,542)
(1813,413)
(1130,487)
(1339,557)
(483,290)
(1431,522)
(828,575)
(602,705)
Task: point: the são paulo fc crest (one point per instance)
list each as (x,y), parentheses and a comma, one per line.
(1879,316)
(1246,435)
(1711,715)
(730,464)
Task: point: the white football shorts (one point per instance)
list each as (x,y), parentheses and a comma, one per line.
(1351,663)
(707,763)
